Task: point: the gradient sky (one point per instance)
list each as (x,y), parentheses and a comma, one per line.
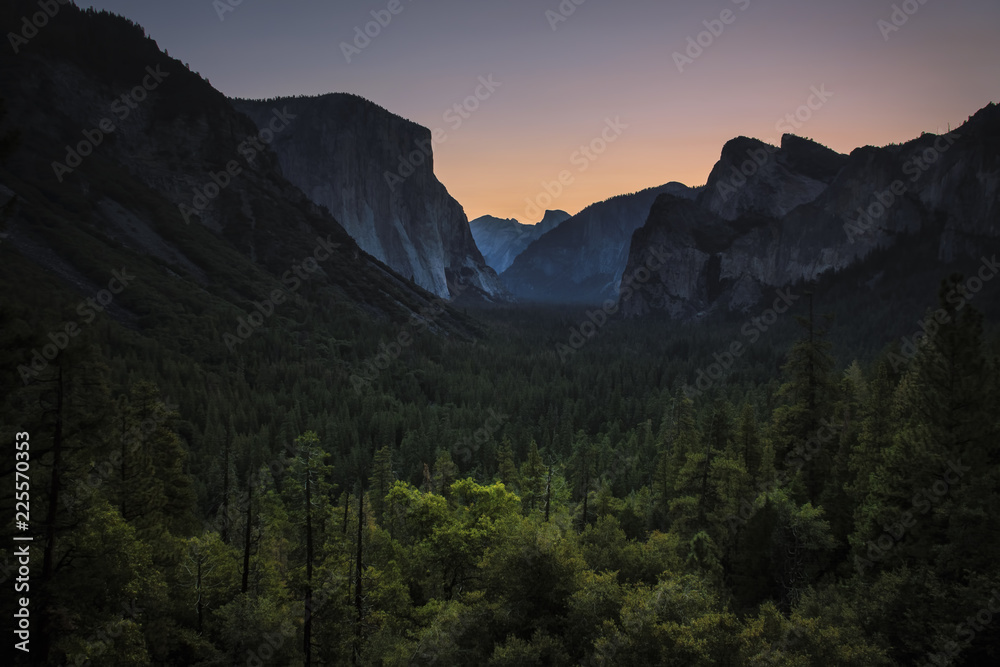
(609,59)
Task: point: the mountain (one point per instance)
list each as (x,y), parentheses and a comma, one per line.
(129,164)
(374,171)
(582,260)
(772,216)
(502,240)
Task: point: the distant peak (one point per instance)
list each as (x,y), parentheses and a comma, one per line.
(492,220)
(739,150)
(738,147)
(554,215)
(811,158)
(792,142)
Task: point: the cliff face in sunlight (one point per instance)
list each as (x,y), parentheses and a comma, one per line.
(374,171)
(772,216)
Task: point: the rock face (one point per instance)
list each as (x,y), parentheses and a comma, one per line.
(771,216)
(175,190)
(374,171)
(582,260)
(502,240)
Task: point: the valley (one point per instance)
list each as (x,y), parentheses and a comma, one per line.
(288,405)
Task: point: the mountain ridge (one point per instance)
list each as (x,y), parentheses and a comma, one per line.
(181,190)
(502,240)
(804,211)
(582,259)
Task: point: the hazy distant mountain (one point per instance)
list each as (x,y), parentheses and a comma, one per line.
(374,171)
(805,211)
(502,240)
(582,260)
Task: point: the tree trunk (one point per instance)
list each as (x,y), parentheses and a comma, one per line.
(347,509)
(124,453)
(247,539)
(201,607)
(225,490)
(51,515)
(358,568)
(307,624)
(548,491)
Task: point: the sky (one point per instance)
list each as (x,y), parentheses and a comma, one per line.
(651,90)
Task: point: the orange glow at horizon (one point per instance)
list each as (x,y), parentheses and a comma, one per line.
(557,84)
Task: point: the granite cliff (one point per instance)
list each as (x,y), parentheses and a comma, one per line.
(374,171)
(772,216)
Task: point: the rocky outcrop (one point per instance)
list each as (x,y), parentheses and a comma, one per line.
(771,216)
(502,240)
(754,178)
(127,157)
(582,260)
(374,171)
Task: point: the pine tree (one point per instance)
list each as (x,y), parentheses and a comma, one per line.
(683,441)
(809,395)
(381,479)
(533,478)
(445,474)
(583,472)
(307,494)
(932,483)
(506,468)
(156,491)
(749,443)
(68,438)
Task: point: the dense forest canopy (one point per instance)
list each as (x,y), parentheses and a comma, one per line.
(482,501)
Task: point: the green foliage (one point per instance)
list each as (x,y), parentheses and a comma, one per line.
(679,531)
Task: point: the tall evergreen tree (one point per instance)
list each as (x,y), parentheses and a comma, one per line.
(533,478)
(809,395)
(307,493)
